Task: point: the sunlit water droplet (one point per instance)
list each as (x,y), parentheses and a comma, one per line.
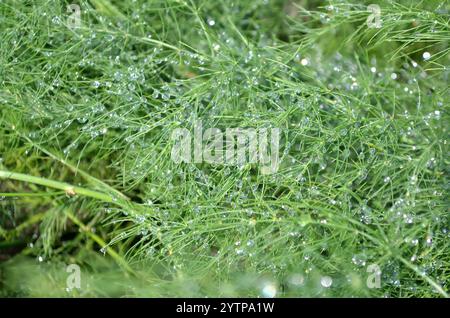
(269,290)
(426,56)
(326,281)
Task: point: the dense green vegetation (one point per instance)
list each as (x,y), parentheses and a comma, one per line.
(86,176)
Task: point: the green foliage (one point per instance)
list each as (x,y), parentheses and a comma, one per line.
(87,113)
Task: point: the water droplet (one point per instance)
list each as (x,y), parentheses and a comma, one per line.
(394,76)
(296,279)
(359,260)
(211,22)
(150,251)
(426,56)
(373,69)
(431,163)
(56,20)
(326,281)
(408,218)
(304,62)
(118,76)
(269,290)
(140,219)
(239,251)
(387,179)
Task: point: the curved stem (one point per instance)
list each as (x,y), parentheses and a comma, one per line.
(73,168)
(68,188)
(120,261)
(436,286)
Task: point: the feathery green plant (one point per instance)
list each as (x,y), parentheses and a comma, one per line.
(86,175)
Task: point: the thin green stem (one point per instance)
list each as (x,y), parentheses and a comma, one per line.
(66,187)
(120,261)
(74,169)
(425,277)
